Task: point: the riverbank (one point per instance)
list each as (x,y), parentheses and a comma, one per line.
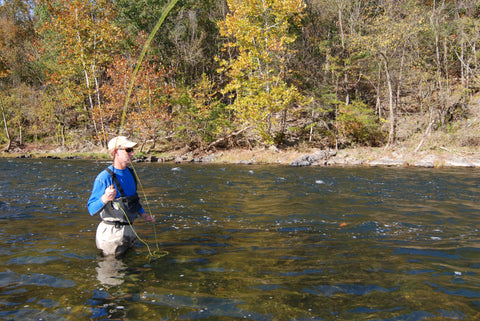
(398,156)
(362,156)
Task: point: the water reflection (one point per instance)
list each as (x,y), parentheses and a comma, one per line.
(110,271)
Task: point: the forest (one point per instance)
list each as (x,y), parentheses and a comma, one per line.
(221,74)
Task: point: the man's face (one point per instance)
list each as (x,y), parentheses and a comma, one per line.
(124,155)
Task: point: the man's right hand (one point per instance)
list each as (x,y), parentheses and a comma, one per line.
(109,195)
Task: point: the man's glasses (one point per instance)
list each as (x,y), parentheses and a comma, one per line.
(128,150)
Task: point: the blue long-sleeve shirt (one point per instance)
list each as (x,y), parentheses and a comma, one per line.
(104,180)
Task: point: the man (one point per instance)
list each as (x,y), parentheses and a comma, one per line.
(114,196)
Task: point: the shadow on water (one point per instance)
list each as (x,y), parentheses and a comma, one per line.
(245,242)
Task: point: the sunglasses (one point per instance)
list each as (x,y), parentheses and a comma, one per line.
(128,150)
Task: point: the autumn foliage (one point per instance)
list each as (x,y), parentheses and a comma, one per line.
(223,73)
(149,108)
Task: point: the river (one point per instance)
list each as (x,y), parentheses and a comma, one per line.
(244,243)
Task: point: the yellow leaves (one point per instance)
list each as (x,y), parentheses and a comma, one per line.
(260,29)
(202,97)
(84,27)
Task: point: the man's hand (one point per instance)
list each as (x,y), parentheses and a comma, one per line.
(148,217)
(109,195)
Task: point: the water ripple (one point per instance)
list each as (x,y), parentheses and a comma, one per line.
(12,279)
(353,289)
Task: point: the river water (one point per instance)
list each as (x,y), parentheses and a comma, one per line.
(244,243)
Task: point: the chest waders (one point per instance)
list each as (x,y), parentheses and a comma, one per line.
(129,205)
(114,233)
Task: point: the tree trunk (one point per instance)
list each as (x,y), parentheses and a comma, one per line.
(90,100)
(342,37)
(215,143)
(399,83)
(97,92)
(391,133)
(427,132)
(379,87)
(9,143)
(63,135)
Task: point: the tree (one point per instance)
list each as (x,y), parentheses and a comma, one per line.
(149,105)
(256,62)
(386,39)
(357,123)
(17,37)
(84,39)
(18,73)
(205,118)
(465,42)
(189,39)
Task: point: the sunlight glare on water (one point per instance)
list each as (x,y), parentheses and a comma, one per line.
(244,242)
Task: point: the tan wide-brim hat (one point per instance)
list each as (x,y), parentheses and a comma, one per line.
(120,142)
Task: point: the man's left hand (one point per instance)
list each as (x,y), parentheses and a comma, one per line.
(148,217)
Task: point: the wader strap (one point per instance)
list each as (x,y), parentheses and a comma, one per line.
(119,186)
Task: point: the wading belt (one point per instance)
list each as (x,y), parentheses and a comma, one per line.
(117,224)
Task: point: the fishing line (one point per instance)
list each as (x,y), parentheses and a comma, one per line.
(129,92)
(154,254)
(146,203)
(142,54)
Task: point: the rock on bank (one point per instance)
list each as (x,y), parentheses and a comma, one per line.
(390,159)
(315,157)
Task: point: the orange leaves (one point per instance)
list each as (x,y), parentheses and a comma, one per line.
(148,108)
(87,35)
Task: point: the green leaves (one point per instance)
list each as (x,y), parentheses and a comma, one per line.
(358,123)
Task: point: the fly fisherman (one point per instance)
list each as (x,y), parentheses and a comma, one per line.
(114,197)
